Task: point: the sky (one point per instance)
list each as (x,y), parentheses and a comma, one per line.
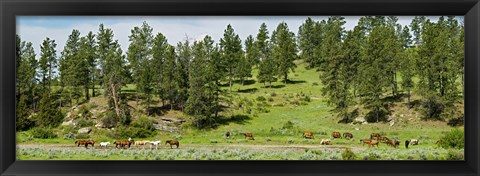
(176,28)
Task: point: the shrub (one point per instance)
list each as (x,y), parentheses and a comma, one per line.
(86,114)
(143,122)
(82,136)
(454,139)
(452,155)
(315,84)
(109,119)
(261,98)
(85,123)
(288,125)
(348,154)
(270,99)
(273,94)
(43,133)
(123,132)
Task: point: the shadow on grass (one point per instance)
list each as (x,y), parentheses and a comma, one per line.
(245,82)
(274,86)
(251,90)
(296,82)
(237,119)
(159,111)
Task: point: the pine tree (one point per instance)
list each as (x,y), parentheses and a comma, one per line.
(114,72)
(170,84)
(184,56)
(49,115)
(48,62)
(231,47)
(284,51)
(245,64)
(139,55)
(261,43)
(160,46)
(88,50)
(309,38)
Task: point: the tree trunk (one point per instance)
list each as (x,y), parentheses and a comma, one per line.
(87,96)
(286,76)
(93,86)
(115,100)
(408,105)
(230,79)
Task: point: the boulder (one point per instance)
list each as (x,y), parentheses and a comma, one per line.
(359,120)
(85,130)
(392,123)
(71,122)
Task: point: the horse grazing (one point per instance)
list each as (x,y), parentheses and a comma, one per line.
(172,142)
(347,134)
(394,143)
(227,134)
(249,135)
(336,134)
(91,142)
(373,143)
(406,143)
(374,135)
(325,142)
(308,134)
(414,141)
(365,141)
(155,143)
(145,142)
(383,139)
(104,144)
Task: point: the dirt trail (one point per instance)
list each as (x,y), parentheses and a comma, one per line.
(212,146)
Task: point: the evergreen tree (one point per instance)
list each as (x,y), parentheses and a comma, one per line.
(49,115)
(114,72)
(245,64)
(47,62)
(308,41)
(231,47)
(184,56)
(139,56)
(284,51)
(88,53)
(160,47)
(169,71)
(261,43)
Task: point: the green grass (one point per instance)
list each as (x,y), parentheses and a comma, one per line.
(315,116)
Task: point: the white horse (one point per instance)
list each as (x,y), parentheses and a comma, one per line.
(104,144)
(155,143)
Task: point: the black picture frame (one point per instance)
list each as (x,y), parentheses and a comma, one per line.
(470,9)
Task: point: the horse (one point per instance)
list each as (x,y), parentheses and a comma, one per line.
(374,135)
(325,142)
(336,134)
(92,142)
(249,135)
(406,143)
(347,134)
(373,143)
(104,144)
(155,143)
(383,139)
(172,142)
(145,142)
(394,143)
(122,144)
(81,142)
(414,141)
(365,141)
(308,134)
(227,134)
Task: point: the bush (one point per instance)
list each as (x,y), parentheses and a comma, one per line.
(454,139)
(43,133)
(85,123)
(273,94)
(288,125)
(86,114)
(82,136)
(452,155)
(348,154)
(143,122)
(270,99)
(261,98)
(109,119)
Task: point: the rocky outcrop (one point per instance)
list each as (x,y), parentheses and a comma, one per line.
(85,130)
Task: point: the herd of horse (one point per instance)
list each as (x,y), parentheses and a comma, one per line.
(374,140)
(123,144)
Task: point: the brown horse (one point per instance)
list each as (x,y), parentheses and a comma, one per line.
(374,135)
(172,142)
(383,139)
(308,134)
(81,142)
(122,144)
(91,142)
(394,143)
(347,134)
(249,135)
(365,141)
(373,143)
(336,134)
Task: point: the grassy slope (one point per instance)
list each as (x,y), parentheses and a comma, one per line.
(315,116)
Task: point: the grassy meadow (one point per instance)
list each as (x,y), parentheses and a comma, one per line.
(277,116)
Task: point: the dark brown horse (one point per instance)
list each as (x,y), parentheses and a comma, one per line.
(374,135)
(123,144)
(394,143)
(81,142)
(365,141)
(308,134)
(249,135)
(383,139)
(172,142)
(347,134)
(336,134)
